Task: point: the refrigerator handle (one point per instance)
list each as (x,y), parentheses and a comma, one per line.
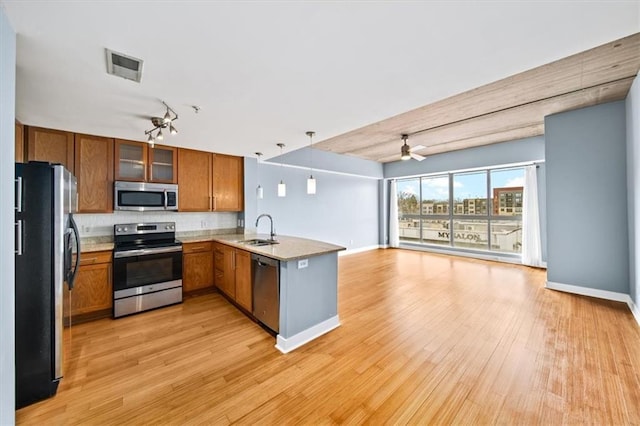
(19,248)
(19,194)
(72,279)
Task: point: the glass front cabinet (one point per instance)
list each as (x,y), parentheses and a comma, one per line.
(138,162)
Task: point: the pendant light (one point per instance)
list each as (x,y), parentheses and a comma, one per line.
(259,189)
(311,182)
(282,188)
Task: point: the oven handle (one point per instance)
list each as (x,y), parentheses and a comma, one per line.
(141,252)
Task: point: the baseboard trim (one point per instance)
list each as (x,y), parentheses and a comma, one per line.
(286,345)
(634,310)
(586,291)
(358,250)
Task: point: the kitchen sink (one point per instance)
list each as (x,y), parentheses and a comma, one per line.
(257,242)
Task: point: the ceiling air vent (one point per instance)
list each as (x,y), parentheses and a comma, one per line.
(124,66)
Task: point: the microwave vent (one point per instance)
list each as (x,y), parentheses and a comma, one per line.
(124,66)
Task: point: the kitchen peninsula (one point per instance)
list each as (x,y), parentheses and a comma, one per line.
(308,273)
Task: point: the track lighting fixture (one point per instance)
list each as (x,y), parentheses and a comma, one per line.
(160,123)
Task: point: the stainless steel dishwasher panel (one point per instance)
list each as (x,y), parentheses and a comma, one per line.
(266,291)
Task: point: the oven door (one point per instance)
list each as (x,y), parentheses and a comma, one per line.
(140,268)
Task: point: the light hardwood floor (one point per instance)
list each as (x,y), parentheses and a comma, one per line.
(424,339)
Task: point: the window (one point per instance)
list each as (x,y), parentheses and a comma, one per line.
(470,190)
(479,210)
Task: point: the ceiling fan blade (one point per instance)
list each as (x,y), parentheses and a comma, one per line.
(418,147)
(417,157)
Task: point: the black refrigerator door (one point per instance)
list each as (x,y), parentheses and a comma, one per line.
(34,312)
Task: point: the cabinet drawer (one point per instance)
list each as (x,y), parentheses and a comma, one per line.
(94,257)
(197,247)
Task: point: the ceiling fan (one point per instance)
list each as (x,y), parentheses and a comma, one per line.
(407,153)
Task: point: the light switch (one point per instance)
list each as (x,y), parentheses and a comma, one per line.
(303,263)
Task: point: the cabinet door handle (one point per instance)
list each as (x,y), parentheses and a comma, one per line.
(19,248)
(210,207)
(214,203)
(233,257)
(19,194)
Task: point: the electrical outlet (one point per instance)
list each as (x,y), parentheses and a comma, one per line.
(350,242)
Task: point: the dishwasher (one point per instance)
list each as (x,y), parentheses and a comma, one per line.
(266,291)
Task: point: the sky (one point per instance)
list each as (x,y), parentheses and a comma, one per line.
(465,185)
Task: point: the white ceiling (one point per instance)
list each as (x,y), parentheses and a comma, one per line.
(265,72)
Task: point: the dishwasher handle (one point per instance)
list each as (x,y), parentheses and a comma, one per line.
(263,261)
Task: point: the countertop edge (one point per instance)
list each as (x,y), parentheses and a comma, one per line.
(309,248)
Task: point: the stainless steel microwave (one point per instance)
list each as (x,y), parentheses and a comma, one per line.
(140,196)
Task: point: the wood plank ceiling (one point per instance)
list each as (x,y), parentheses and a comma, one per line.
(508,109)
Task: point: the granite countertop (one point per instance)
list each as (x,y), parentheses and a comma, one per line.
(288,248)
(91,244)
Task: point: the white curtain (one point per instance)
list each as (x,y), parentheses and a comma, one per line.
(531,247)
(394,231)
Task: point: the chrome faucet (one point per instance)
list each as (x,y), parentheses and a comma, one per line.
(273,232)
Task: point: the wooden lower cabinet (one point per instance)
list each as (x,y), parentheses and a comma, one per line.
(233,274)
(197,266)
(92,294)
(244,293)
(225,269)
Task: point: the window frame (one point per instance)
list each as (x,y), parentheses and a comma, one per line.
(489,217)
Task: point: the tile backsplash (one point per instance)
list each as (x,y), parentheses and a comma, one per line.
(96,225)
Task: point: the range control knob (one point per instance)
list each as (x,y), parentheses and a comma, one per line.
(118,229)
(167,227)
(172,227)
(125,229)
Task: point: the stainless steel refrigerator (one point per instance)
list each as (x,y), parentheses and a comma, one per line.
(46,235)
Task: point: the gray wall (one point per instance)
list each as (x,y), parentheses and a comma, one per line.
(585,153)
(308,296)
(633,187)
(248,216)
(323,160)
(344,211)
(7,174)
(518,151)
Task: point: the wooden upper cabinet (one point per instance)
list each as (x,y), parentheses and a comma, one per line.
(19,142)
(131,160)
(94,171)
(137,162)
(54,146)
(228,183)
(162,164)
(194,177)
